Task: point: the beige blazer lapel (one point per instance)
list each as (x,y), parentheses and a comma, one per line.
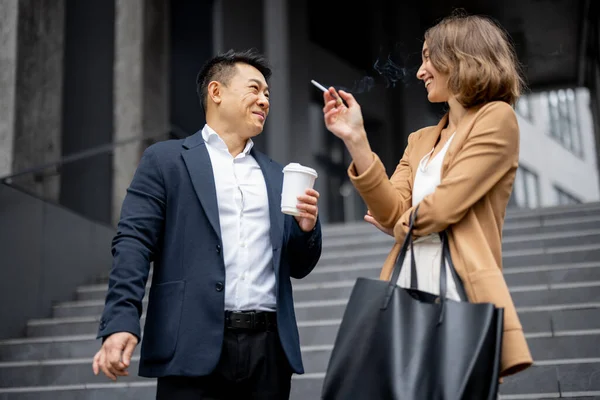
(462,132)
(424,145)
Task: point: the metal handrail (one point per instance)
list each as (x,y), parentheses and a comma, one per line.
(94,151)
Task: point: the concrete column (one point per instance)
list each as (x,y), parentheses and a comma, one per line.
(8,72)
(141,91)
(32,52)
(277,49)
(288,47)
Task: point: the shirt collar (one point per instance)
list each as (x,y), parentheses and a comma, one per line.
(212,138)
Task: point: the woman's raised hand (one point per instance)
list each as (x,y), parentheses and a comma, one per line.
(345,122)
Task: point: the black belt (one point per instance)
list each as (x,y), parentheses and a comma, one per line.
(251,320)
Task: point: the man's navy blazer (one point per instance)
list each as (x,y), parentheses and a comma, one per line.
(170,217)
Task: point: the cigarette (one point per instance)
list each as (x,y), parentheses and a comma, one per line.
(324,89)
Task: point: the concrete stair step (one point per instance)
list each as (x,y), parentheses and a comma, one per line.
(534,275)
(376,256)
(512,226)
(555,211)
(336,294)
(319,331)
(56,372)
(531,275)
(316,358)
(533,228)
(383,243)
(547,351)
(525,295)
(572,378)
(512,216)
(510,242)
(140,390)
(513,258)
(308,386)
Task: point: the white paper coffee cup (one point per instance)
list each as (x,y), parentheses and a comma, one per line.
(296,179)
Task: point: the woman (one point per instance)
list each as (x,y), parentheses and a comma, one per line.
(460,173)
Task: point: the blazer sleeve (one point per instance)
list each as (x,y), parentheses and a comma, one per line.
(387,199)
(303,248)
(134,248)
(489,152)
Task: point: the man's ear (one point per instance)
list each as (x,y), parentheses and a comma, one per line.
(214,92)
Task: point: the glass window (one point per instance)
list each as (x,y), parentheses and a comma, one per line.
(562,109)
(563,197)
(526,189)
(524,108)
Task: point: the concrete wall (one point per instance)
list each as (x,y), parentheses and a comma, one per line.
(47,251)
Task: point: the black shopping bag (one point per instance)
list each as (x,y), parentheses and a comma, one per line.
(397,343)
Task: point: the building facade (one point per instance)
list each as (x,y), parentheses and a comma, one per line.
(92,83)
(557,160)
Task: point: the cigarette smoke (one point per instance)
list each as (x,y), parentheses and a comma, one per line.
(391,72)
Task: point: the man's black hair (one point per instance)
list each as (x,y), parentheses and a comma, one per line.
(222,68)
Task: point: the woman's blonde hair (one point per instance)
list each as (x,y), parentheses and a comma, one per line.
(479,57)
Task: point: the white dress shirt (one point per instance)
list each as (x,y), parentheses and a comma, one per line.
(245,226)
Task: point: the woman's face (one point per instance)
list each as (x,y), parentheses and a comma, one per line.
(435,82)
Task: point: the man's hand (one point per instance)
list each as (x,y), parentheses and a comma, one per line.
(114,356)
(307,204)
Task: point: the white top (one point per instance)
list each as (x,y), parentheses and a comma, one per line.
(429,174)
(245,226)
(428,249)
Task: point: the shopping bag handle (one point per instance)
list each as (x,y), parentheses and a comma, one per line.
(446,258)
(402,255)
(460,287)
(400,261)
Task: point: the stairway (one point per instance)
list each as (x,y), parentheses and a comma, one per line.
(551,264)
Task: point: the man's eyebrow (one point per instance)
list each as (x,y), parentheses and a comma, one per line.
(260,83)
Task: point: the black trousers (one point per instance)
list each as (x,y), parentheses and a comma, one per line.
(252,366)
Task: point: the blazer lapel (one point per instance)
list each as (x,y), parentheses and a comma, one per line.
(197,161)
(426,143)
(274,186)
(462,131)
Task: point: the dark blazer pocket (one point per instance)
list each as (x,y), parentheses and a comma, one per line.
(162,321)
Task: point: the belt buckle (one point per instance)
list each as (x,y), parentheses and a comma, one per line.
(252,315)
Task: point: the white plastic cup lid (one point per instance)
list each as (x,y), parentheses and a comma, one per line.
(295,167)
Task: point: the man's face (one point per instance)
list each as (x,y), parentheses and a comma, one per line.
(245,101)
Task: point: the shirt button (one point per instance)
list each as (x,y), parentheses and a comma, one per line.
(219,286)
(218,249)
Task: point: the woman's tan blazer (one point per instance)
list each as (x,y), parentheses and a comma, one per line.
(476,182)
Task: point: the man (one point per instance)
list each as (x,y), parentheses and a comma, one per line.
(220,322)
